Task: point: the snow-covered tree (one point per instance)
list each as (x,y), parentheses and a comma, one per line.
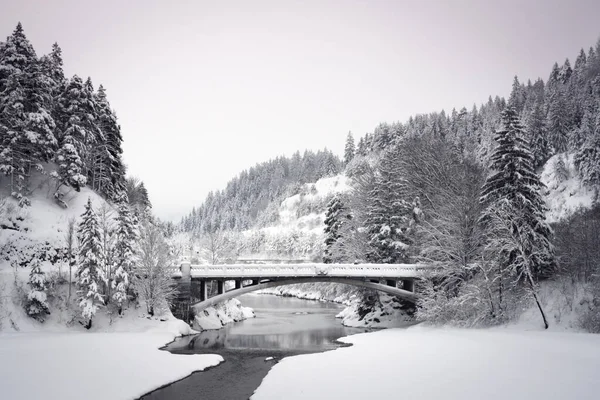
(513,184)
(37,304)
(336,216)
(153,282)
(107,169)
(349,149)
(26,125)
(389,214)
(89,273)
(125,251)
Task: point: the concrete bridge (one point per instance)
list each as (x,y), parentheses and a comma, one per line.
(196,280)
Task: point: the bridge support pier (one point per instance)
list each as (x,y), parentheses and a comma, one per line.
(220,286)
(238,283)
(255,282)
(391,282)
(374,280)
(408,285)
(203,290)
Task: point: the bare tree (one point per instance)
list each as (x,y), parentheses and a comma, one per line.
(107,233)
(152,280)
(217,246)
(70,238)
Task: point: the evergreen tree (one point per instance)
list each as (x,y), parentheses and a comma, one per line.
(336,215)
(349,149)
(556,122)
(587,158)
(389,214)
(124,254)
(108,170)
(514,185)
(537,136)
(26,125)
(37,304)
(89,272)
(79,132)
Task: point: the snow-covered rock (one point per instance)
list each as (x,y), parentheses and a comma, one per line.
(222,314)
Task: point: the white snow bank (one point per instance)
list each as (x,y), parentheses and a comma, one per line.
(563,196)
(222,314)
(387,313)
(94,365)
(424,363)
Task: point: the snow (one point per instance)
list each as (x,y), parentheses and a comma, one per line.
(562,198)
(429,363)
(118,365)
(290,217)
(222,314)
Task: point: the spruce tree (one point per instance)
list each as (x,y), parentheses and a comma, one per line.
(349,149)
(26,125)
(124,254)
(336,215)
(89,272)
(78,130)
(37,304)
(389,214)
(108,170)
(514,185)
(587,158)
(537,136)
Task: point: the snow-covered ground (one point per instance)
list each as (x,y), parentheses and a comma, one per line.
(122,364)
(428,363)
(564,192)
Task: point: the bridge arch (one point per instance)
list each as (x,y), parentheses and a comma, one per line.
(403,294)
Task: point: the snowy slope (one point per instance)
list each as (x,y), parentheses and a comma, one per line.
(305,211)
(563,194)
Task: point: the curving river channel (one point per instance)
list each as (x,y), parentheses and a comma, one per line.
(284,326)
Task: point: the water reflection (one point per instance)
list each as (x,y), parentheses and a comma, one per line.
(280,324)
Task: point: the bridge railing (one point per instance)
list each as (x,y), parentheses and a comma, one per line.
(233,271)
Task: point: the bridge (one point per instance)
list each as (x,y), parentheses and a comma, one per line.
(196,280)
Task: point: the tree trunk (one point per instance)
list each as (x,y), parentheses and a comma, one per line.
(537,300)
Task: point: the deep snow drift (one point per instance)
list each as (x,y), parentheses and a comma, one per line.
(88,365)
(427,363)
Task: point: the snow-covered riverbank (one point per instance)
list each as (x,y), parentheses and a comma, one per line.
(429,363)
(95,365)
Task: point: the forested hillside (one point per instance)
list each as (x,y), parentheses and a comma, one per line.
(73,228)
(251,198)
(461,190)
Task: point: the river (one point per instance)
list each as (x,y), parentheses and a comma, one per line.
(284,326)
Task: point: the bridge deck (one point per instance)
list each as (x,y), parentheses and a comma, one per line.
(242,271)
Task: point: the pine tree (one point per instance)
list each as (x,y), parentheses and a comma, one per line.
(514,185)
(79,133)
(587,158)
(26,125)
(37,304)
(335,217)
(537,136)
(389,214)
(124,254)
(89,272)
(556,122)
(108,170)
(349,149)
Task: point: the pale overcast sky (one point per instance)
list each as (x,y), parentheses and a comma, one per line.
(205,89)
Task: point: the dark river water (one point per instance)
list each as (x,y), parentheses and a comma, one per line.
(284,326)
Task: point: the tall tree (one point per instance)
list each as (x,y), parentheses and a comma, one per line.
(336,216)
(26,125)
(89,273)
(37,304)
(514,185)
(125,251)
(349,149)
